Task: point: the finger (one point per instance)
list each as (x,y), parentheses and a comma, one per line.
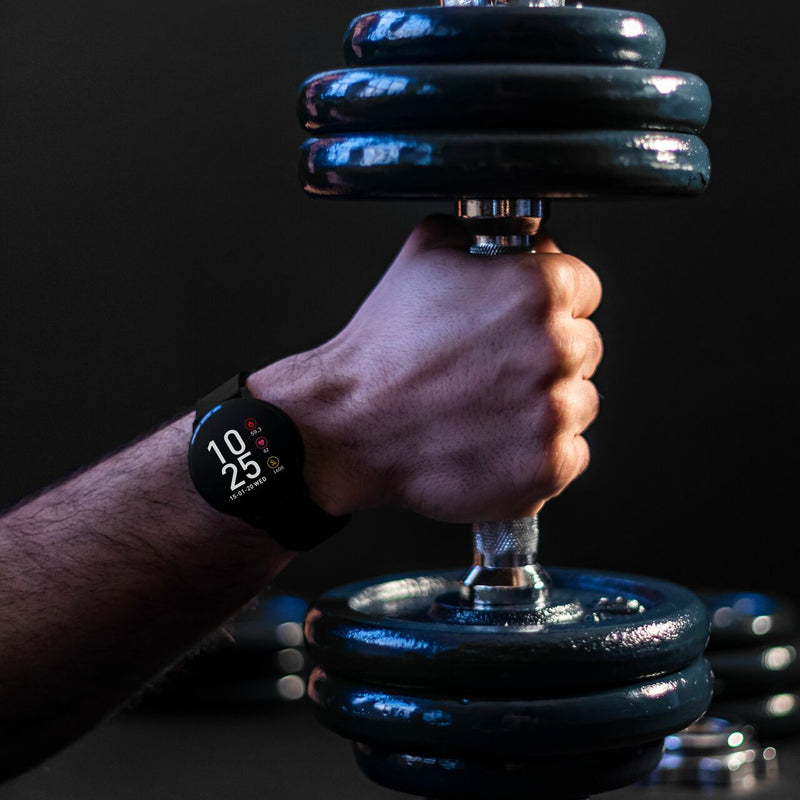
(568,283)
(587,405)
(544,242)
(582,455)
(588,290)
(575,457)
(587,331)
(437,231)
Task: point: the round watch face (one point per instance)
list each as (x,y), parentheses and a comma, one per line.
(246,454)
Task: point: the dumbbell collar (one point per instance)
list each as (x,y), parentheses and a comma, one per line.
(526,3)
(505,226)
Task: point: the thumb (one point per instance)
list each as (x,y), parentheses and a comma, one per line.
(545,243)
(435,232)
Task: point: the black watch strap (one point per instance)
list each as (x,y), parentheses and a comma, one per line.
(299,523)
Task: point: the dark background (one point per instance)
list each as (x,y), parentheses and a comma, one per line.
(154,240)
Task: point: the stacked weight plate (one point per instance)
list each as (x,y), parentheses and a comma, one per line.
(259,660)
(443,699)
(452,102)
(754,651)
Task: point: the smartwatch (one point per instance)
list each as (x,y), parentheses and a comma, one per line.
(246,459)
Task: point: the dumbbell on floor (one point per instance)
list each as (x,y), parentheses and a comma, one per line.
(754,652)
(258,660)
(509,678)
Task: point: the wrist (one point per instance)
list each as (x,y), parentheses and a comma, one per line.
(320,394)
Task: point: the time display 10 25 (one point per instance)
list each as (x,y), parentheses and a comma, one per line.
(241,450)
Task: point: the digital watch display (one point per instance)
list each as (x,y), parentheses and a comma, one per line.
(246,459)
(242,452)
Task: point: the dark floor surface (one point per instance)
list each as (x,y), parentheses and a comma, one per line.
(251,756)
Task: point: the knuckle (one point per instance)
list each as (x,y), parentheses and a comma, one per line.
(594,403)
(557,468)
(554,417)
(589,281)
(596,340)
(568,459)
(591,276)
(583,455)
(557,282)
(563,350)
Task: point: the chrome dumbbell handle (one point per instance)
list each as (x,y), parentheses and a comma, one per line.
(505,570)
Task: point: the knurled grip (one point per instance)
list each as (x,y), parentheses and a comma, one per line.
(507,543)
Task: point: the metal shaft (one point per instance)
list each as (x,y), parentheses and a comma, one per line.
(505,570)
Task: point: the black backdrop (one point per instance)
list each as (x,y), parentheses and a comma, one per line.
(154,239)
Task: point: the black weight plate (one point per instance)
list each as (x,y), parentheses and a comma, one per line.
(758,670)
(382,632)
(274,624)
(773,716)
(193,693)
(747,619)
(512,728)
(231,664)
(503,96)
(569,35)
(568,778)
(451,165)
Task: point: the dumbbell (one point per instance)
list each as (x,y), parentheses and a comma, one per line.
(716,752)
(505,677)
(754,651)
(258,659)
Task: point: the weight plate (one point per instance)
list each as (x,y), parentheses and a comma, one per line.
(543,35)
(568,778)
(510,727)
(758,670)
(773,716)
(383,629)
(275,623)
(193,693)
(715,753)
(451,165)
(510,96)
(745,619)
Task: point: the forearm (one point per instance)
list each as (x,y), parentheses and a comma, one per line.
(456,392)
(112,575)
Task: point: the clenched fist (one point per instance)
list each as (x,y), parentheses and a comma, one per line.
(460,389)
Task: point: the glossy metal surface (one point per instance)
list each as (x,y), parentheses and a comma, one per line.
(454,165)
(505,569)
(505,3)
(716,752)
(773,716)
(501,226)
(552,778)
(568,35)
(260,660)
(762,670)
(439,723)
(385,629)
(748,619)
(503,96)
